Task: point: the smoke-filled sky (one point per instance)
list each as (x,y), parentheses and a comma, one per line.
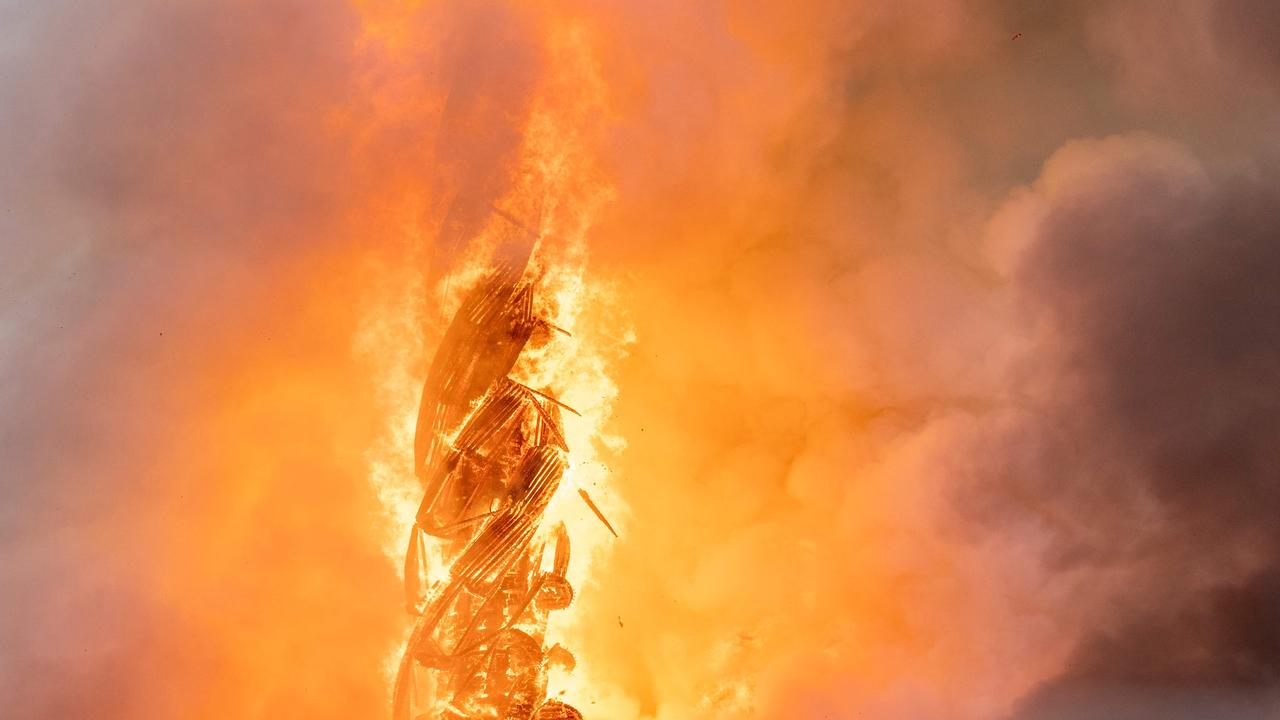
(954,391)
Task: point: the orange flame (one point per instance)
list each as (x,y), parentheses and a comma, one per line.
(556,194)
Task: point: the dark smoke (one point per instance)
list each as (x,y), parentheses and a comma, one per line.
(1152,282)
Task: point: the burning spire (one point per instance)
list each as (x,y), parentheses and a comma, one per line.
(491,453)
(508,430)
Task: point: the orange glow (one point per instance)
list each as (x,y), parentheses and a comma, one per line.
(757,260)
(726,471)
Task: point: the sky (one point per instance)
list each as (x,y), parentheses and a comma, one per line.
(942,340)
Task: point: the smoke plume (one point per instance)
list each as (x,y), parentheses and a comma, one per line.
(954,389)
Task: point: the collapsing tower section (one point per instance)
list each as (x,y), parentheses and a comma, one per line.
(491,453)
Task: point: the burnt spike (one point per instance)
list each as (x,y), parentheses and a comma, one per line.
(555,327)
(545,396)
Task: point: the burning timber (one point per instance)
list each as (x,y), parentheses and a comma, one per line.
(491,453)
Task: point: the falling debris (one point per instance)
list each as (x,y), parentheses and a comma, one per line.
(1016,36)
(587,499)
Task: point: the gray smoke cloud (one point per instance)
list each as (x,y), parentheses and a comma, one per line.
(1151,414)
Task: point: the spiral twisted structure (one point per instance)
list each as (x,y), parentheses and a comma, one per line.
(491,453)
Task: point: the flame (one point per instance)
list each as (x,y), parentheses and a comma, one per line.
(557,195)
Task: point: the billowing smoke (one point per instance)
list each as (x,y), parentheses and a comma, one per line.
(181,533)
(1150,281)
(954,391)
